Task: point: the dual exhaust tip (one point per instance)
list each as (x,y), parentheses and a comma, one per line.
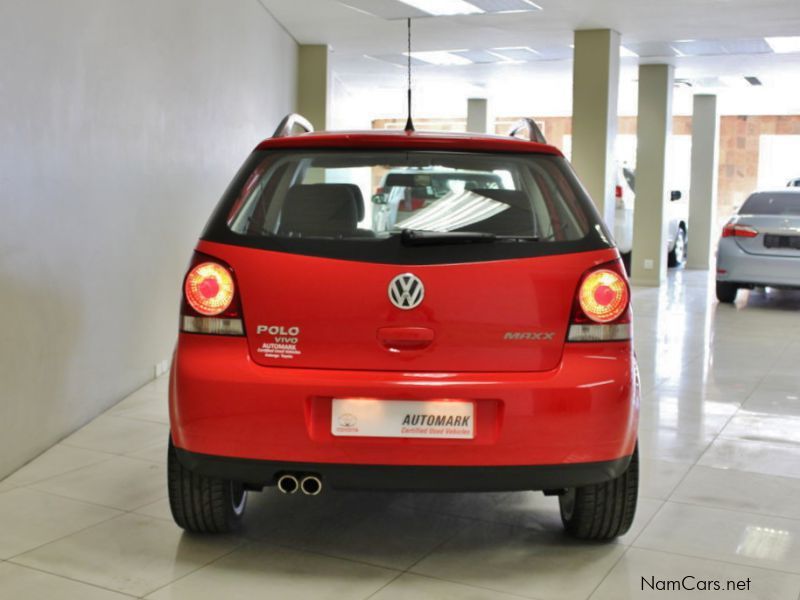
(310,485)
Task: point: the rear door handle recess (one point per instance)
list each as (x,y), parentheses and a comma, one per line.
(397,339)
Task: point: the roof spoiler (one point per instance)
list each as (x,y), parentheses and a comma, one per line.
(534,133)
(289,122)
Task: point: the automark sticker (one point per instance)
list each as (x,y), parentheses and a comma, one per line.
(282,341)
(402,418)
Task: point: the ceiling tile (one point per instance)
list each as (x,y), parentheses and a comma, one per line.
(651,49)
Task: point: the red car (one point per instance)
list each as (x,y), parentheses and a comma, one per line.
(480,343)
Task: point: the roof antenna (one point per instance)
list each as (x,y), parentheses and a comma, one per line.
(409,122)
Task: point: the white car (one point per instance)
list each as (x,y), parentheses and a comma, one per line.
(794,182)
(677,225)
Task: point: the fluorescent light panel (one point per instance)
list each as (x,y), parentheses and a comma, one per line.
(555,53)
(441,58)
(505,6)
(747,46)
(472,7)
(479,56)
(444,7)
(627,53)
(384,9)
(517,53)
(401,60)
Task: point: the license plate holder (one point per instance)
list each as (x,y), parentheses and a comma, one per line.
(782,241)
(422,419)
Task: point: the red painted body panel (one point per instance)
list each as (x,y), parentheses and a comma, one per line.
(340,307)
(222,403)
(388,140)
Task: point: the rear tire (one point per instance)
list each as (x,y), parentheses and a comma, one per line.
(726,292)
(677,256)
(203,504)
(602,511)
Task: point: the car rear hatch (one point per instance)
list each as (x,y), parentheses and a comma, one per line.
(476,279)
(304,311)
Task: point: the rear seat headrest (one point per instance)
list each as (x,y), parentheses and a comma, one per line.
(322,209)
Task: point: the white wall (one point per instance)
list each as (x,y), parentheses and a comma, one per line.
(121,123)
(777,160)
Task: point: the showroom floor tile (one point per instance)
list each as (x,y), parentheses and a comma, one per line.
(720,449)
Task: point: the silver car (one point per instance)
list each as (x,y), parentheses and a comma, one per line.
(760,245)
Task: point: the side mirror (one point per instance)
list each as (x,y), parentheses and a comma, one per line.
(675,195)
(379,199)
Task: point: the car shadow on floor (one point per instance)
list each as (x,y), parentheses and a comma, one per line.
(397,529)
(503,541)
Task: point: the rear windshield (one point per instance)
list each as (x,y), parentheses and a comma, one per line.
(368,205)
(765,203)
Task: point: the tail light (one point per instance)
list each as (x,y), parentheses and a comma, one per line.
(602,306)
(733,230)
(210,299)
(618,196)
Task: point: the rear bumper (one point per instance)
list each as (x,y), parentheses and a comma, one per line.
(528,426)
(259,473)
(755,269)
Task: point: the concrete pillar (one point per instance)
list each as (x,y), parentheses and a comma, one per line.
(703,191)
(595,84)
(478,116)
(654,125)
(313,74)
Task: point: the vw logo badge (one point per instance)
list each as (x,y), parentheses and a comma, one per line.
(406,291)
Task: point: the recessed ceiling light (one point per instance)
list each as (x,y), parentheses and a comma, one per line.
(384,9)
(505,6)
(627,53)
(400,60)
(479,56)
(517,53)
(441,57)
(444,7)
(784,45)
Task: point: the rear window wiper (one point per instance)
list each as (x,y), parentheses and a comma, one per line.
(414,237)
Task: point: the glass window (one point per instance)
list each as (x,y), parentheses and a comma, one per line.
(365,196)
(776,203)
